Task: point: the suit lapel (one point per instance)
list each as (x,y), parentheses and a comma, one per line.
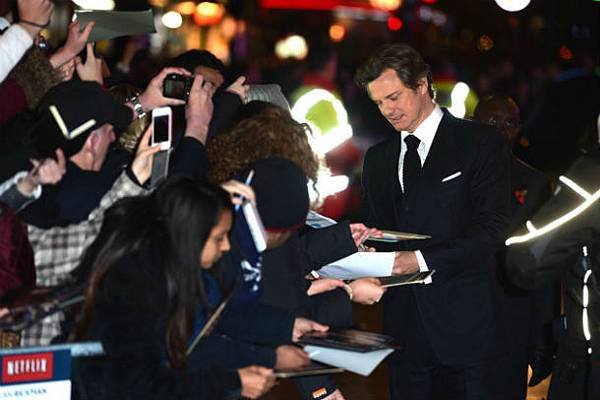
(438,159)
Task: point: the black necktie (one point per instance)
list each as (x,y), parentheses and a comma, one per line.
(412,162)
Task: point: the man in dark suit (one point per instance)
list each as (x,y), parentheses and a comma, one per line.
(448,178)
(525,316)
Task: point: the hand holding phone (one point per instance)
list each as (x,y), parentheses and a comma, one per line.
(162,127)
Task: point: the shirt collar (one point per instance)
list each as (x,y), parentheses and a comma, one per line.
(425,132)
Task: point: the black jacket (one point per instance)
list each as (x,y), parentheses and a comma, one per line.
(465,214)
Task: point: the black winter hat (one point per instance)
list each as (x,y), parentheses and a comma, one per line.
(67,111)
(281,193)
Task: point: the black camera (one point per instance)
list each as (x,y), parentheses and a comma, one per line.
(177,86)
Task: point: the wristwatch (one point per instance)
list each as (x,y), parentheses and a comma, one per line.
(137,106)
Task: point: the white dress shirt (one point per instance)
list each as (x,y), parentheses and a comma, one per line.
(425,132)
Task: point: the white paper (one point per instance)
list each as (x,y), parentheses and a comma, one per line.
(360,265)
(112,24)
(52,390)
(318,221)
(359,363)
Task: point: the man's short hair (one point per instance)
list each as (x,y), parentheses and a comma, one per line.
(406,61)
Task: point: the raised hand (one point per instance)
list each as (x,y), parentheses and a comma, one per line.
(152,97)
(237,190)
(76,41)
(199,109)
(142,163)
(238,87)
(91,70)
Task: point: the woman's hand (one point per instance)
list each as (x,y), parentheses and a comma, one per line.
(91,70)
(238,190)
(142,163)
(238,87)
(291,357)
(303,325)
(324,285)
(256,381)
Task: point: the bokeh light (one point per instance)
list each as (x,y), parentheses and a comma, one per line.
(512,5)
(172,20)
(337,32)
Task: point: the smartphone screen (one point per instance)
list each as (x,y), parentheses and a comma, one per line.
(161,129)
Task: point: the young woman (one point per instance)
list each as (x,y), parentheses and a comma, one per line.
(148,279)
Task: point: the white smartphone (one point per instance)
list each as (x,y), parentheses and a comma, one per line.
(161,127)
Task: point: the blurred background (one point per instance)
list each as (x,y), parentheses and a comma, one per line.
(520,48)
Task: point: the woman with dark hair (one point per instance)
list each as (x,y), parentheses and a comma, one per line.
(148,279)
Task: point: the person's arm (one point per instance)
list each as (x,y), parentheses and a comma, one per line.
(65,245)
(325,245)
(190,157)
(34,15)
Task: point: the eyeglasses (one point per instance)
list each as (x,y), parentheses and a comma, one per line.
(503,123)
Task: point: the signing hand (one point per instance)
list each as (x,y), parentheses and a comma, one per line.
(366,290)
(360,233)
(405,262)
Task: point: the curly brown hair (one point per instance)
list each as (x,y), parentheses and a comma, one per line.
(271,133)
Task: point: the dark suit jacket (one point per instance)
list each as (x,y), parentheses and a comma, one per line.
(466,217)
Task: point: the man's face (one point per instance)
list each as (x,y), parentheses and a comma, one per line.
(402,106)
(505,119)
(210,75)
(105,136)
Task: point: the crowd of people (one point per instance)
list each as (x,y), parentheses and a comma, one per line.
(184,309)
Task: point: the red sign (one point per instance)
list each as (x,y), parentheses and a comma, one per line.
(27,367)
(314,4)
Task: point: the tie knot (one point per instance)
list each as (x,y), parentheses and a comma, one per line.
(412,142)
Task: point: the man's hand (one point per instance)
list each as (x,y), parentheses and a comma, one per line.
(303,325)
(92,69)
(153,97)
(46,172)
(324,285)
(142,163)
(256,381)
(360,233)
(291,357)
(239,88)
(75,43)
(199,109)
(405,262)
(37,13)
(366,290)
(237,190)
